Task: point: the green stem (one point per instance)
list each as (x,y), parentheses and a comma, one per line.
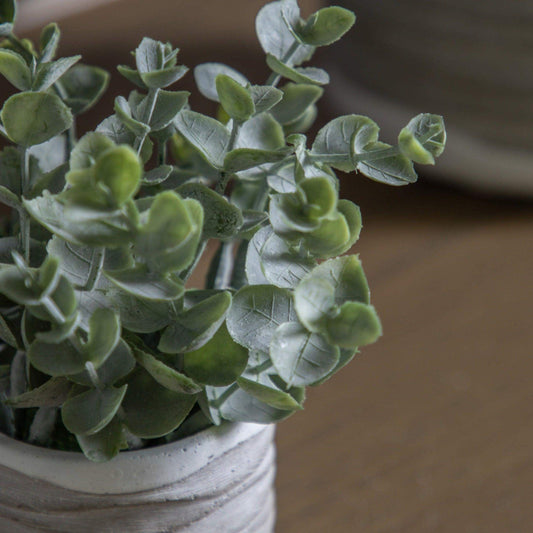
(162,152)
(25,227)
(97,262)
(199,251)
(224,177)
(274,78)
(147,118)
(225,267)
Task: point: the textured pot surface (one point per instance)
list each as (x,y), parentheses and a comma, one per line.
(218,480)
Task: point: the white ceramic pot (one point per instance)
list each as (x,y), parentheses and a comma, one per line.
(468,60)
(220,480)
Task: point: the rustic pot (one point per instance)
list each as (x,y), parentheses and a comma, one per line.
(218,480)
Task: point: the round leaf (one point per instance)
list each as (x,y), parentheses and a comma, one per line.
(326,26)
(219,362)
(357,324)
(235,99)
(301,357)
(33,118)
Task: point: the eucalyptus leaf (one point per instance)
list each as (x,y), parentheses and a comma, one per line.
(255,314)
(49,41)
(164,77)
(308,75)
(48,73)
(104,334)
(196,326)
(51,394)
(34,117)
(56,359)
(296,99)
(14,69)
(206,134)
(6,334)
(261,132)
(301,357)
(152,410)
(157,175)
(167,106)
(219,362)
(270,395)
(88,149)
(83,86)
(91,411)
(246,158)
(105,444)
(236,100)
(326,26)
(165,375)
(314,300)
(265,97)
(423,138)
(140,282)
(205,75)
(221,219)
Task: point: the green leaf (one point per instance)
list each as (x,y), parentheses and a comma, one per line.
(104,334)
(423,138)
(56,359)
(296,99)
(116,366)
(265,97)
(342,135)
(88,149)
(219,362)
(149,55)
(234,404)
(392,170)
(221,219)
(49,41)
(138,314)
(48,73)
(301,357)
(145,284)
(120,170)
(165,375)
(196,326)
(274,34)
(64,299)
(206,74)
(206,134)
(255,314)
(33,118)
(345,358)
(236,100)
(6,334)
(124,113)
(52,393)
(157,175)
(270,395)
(91,411)
(102,446)
(246,158)
(314,300)
(79,225)
(132,75)
(164,77)
(8,12)
(169,239)
(356,324)
(331,238)
(303,123)
(10,199)
(83,86)
(326,26)
(167,106)
(152,410)
(14,69)
(347,278)
(270,259)
(309,75)
(261,132)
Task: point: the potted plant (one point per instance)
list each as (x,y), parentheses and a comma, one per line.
(105,345)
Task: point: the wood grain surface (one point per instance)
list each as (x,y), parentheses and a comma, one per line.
(429,430)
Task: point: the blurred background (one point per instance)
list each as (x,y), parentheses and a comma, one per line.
(429,430)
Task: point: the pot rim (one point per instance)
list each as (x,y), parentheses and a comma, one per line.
(130,471)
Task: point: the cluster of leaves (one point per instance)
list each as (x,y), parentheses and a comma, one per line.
(102,338)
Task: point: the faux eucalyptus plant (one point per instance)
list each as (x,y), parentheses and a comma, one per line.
(105,345)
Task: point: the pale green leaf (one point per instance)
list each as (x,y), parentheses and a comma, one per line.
(296,99)
(48,73)
(51,393)
(102,446)
(356,324)
(83,86)
(14,69)
(236,100)
(326,26)
(205,76)
(91,411)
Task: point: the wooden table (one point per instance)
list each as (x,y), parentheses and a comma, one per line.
(429,430)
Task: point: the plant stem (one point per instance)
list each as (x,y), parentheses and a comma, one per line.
(225,267)
(149,111)
(162,152)
(224,177)
(97,261)
(25,230)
